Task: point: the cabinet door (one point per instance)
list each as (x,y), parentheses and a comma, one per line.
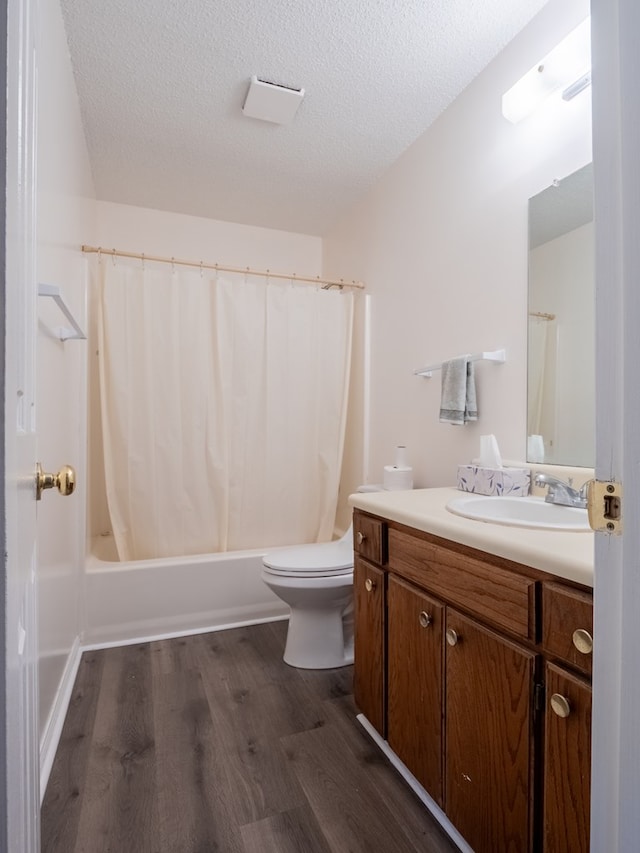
(414,690)
(369,661)
(489,737)
(567,762)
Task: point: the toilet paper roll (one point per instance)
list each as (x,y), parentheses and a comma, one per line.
(397,479)
(401,460)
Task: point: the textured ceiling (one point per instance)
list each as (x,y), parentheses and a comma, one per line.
(161,86)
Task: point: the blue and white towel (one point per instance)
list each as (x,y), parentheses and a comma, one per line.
(458,403)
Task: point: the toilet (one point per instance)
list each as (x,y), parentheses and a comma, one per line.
(316,581)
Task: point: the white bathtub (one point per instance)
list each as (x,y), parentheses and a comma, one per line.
(148,599)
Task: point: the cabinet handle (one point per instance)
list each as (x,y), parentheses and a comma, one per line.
(560,705)
(452,637)
(583,641)
(424,619)
(369,585)
(360,537)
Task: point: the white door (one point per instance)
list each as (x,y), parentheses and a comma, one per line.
(20,770)
(616,677)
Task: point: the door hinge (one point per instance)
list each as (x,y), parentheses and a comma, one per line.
(538,698)
(604,505)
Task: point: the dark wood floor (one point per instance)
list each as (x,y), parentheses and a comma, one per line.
(212,743)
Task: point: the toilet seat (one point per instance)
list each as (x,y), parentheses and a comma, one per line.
(321,560)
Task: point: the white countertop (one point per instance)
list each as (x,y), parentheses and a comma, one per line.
(565,554)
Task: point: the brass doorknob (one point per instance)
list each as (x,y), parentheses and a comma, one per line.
(583,641)
(560,705)
(369,585)
(64,481)
(424,619)
(360,537)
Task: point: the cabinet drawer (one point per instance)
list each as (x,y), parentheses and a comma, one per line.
(501,597)
(566,611)
(368,538)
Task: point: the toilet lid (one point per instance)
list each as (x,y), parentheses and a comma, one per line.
(326,558)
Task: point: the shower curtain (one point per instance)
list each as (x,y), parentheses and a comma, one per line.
(536,367)
(223,405)
(542,387)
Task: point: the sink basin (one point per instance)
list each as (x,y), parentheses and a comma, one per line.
(520,512)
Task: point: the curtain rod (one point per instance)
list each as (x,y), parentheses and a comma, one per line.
(325,282)
(542,315)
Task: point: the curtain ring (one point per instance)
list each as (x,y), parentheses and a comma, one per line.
(113,257)
(99,254)
(201,270)
(143,261)
(173,265)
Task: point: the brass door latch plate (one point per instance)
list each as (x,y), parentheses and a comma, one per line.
(604,506)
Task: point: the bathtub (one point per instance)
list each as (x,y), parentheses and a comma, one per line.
(151,599)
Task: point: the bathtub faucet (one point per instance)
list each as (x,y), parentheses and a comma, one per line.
(561,492)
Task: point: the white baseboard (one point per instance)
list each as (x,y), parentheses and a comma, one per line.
(415,786)
(172,635)
(53,729)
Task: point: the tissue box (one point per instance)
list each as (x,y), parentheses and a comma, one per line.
(494,481)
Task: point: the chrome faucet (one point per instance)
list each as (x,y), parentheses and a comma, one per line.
(561,492)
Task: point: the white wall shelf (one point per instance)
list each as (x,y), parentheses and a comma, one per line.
(65,333)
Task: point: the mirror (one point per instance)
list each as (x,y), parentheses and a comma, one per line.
(561,324)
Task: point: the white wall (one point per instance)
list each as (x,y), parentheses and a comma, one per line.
(65,217)
(165,234)
(563,272)
(441,243)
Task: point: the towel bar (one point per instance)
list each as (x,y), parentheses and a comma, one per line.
(499,356)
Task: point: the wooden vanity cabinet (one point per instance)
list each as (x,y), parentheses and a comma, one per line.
(464,659)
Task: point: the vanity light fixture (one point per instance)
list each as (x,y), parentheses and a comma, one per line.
(567,70)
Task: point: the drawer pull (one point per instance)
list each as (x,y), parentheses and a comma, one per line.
(452,637)
(560,705)
(369,585)
(360,537)
(425,619)
(583,641)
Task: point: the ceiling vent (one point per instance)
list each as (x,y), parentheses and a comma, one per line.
(271,102)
